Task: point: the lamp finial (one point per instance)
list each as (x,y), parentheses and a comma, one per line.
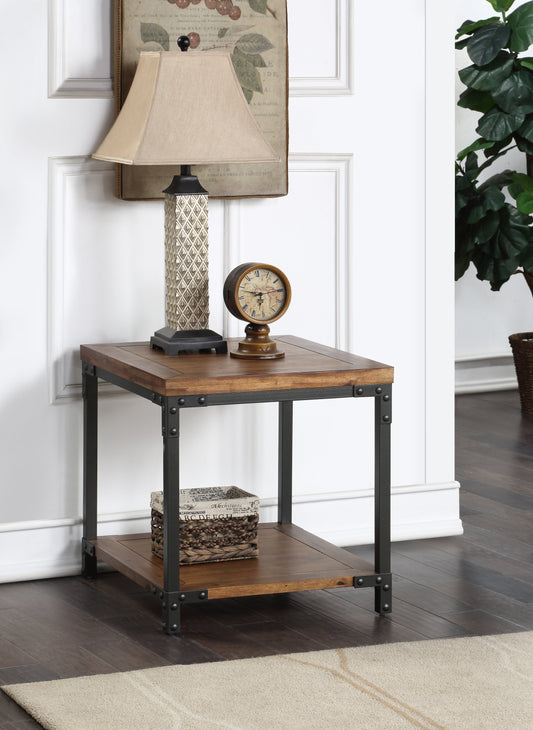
(184,42)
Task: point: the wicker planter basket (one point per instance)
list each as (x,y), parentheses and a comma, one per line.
(216,523)
(522,347)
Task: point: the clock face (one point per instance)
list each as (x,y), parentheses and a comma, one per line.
(257,293)
(261,294)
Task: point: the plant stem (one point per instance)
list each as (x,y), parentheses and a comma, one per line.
(489,162)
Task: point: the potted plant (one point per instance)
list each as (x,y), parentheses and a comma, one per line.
(494,213)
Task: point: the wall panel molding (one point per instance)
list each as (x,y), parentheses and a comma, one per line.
(340,82)
(59,171)
(341,166)
(60,84)
(309,164)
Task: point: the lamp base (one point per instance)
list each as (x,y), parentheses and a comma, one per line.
(173,342)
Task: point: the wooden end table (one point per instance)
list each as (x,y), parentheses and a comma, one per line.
(290,559)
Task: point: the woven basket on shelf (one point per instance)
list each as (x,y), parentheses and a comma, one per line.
(522,347)
(216,523)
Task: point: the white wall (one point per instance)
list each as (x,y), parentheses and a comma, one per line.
(485,319)
(369,208)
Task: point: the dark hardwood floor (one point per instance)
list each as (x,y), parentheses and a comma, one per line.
(480,582)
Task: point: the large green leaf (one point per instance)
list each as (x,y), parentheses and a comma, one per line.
(524,203)
(526,130)
(516,92)
(497,259)
(522,191)
(479,144)
(486,42)
(497,124)
(496,271)
(465,192)
(462,259)
(462,262)
(523,144)
(499,180)
(497,148)
(521,24)
(526,63)
(462,199)
(525,182)
(461,182)
(477,101)
(492,199)
(501,5)
(490,76)
(487,227)
(526,258)
(469,26)
(471,166)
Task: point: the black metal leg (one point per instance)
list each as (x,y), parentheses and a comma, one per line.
(383,590)
(285,462)
(90,468)
(170,595)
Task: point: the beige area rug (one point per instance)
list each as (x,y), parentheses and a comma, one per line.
(466,683)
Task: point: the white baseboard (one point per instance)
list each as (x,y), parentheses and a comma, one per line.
(484,373)
(52,548)
(417,512)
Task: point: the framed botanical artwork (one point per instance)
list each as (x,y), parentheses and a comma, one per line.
(254,32)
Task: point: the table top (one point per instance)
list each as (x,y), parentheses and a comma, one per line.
(306,365)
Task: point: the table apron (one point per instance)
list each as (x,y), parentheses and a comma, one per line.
(262,396)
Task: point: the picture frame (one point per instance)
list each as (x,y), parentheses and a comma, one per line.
(255,34)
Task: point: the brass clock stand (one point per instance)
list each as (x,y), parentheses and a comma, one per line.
(257,344)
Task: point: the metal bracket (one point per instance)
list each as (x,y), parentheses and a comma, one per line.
(192,401)
(174,599)
(383,394)
(87,547)
(170,418)
(88,369)
(383,580)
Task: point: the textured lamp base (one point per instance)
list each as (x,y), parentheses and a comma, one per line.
(186,271)
(173,342)
(186,261)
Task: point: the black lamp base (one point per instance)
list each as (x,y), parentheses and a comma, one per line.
(173,342)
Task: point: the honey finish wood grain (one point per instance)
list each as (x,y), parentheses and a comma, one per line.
(305,365)
(290,559)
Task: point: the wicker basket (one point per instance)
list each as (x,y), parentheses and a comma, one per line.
(216,523)
(522,347)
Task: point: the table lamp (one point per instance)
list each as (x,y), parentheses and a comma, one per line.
(186,109)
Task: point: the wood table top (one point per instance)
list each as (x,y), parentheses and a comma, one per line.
(306,365)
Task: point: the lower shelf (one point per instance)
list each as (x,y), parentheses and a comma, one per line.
(290,559)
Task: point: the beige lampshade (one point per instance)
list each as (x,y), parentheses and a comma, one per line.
(185,109)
